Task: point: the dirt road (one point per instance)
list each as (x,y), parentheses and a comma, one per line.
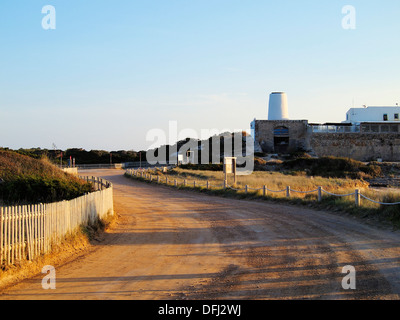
(171,244)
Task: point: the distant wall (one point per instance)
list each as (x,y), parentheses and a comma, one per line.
(362,146)
(358,146)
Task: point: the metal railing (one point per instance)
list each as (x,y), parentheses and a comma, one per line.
(333,129)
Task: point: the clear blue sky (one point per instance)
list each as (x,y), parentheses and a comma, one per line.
(113,70)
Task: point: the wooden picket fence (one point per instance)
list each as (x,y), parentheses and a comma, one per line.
(29,231)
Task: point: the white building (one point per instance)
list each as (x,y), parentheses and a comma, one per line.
(373,114)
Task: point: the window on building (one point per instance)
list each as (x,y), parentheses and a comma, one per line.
(384,128)
(396,116)
(281,131)
(394,128)
(374,128)
(385,117)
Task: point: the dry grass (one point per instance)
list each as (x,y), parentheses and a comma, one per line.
(273,181)
(14,165)
(300,182)
(74,245)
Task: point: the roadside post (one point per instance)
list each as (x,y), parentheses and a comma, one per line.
(230,168)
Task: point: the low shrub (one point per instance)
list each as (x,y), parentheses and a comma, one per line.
(25,180)
(41,190)
(333,167)
(208,167)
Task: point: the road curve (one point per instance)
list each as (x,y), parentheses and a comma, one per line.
(172,244)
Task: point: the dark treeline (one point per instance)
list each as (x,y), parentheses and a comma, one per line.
(82,156)
(215,148)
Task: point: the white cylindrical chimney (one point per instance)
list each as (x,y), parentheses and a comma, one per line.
(278,106)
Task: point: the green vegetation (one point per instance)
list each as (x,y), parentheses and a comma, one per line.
(216,146)
(81,156)
(26,180)
(333,167)
(207,167)
(100,156)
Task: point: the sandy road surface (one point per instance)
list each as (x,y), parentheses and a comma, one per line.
(171,244)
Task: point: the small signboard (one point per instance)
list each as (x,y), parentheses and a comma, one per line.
(230,167)
(180,159)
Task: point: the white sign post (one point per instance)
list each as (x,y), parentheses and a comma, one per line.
(230,167)
(180,159)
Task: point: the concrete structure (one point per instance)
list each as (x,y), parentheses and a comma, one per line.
(278,106)
(368,134)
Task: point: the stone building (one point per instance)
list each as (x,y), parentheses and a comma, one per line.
(281,136)
(372,138)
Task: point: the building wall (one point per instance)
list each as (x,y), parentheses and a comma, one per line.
(358,146)
(298,136)
(355,115)
(362,146)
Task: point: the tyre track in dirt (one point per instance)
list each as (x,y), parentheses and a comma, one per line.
(303,265)
(175,244)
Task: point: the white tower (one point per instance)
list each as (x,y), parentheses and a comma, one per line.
(278,106)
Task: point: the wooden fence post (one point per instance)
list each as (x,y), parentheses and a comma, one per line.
(288,192)
(264,190)
(319,194)
(1,236)
(12,248)
(357,198)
